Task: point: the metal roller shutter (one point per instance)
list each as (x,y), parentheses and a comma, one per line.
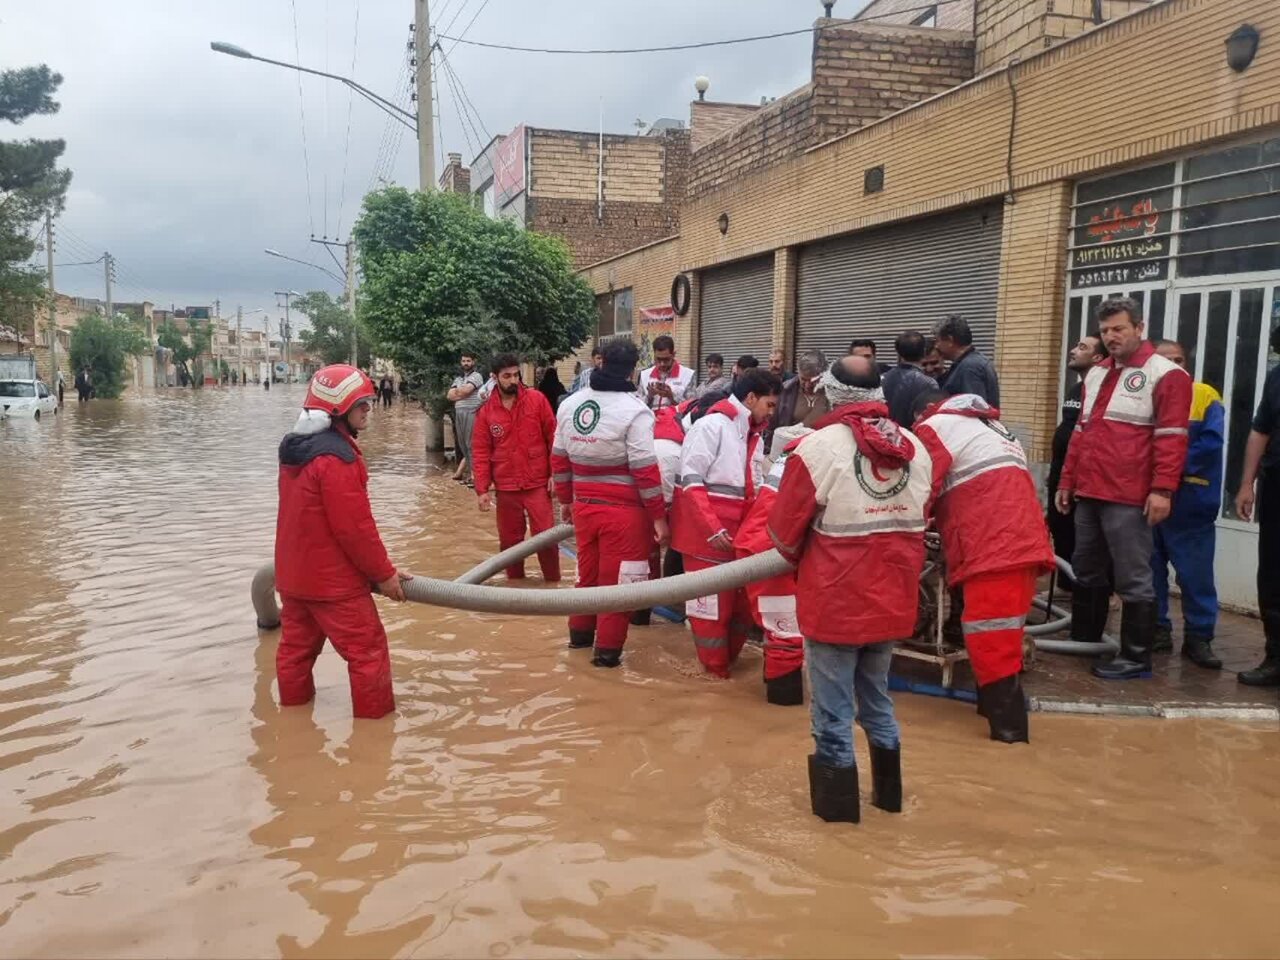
(907,276)
(737,312)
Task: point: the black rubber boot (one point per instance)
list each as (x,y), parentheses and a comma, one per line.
(580,639)
(886,778)
(640,618)
(1163,642)
(786,690)
(606,658)
(1089,609)
(1267,673)
(1199,650)
(1005,708)
(833,792)
(1137,630)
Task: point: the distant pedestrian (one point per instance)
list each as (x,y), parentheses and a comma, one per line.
(62,386)
(549,386)
(1187,540)
(583,379)
(464,394)
(1262,470)
(386,390)
(1080,360)
(1123,466)
(84,385)
(971,371)
(907,381)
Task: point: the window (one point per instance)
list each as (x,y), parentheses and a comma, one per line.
(928,18)
(42,390)
(614,313)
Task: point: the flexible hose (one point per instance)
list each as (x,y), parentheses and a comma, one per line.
(1038,631)
(495,565)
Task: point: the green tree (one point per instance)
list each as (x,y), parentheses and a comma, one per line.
(440,277)
(187,350)
(30,182)
(103,346)
(330,335)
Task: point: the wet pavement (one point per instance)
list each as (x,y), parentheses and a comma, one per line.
(156,801)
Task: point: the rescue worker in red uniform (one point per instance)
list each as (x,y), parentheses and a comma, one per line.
(851,513)
(773,601)
(721,468)
(328,552)
(995,542)
(1124,465)
(608,484)
(511,453)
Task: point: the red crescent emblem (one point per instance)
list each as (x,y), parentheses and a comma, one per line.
(875,472)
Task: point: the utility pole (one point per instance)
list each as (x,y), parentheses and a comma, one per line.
(426,122)
(240,343)
(109,269)
(53,305)
(286,333)
(351,298)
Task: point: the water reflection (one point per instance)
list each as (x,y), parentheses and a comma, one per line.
(157,802)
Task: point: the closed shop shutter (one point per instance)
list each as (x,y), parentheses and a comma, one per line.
(907,276)
(737,312)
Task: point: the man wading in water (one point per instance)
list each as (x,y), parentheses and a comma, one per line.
(328,551)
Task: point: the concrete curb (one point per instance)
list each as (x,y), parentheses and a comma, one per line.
(1250,712)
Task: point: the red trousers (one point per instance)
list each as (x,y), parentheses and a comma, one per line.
(994,618)
(773,603)
(513,507)
(719,623)
(355,630)
(614,543)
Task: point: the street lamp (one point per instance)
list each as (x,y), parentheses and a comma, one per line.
(404,116)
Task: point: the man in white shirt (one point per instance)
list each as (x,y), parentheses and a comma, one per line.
(666,383)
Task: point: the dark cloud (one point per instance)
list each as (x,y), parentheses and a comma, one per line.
(188,164)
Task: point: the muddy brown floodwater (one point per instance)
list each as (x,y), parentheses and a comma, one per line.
(156,802)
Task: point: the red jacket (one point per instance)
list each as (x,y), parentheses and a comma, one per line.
(851,512)
(511,449)
(1131,437)
(327,544)
(988,513)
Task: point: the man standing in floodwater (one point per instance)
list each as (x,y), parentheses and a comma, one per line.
(328,551)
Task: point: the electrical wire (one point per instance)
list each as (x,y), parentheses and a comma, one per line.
(461,38)
(470,24)
(346,147)
(462,119)
(302,114)
(466,97)
(457,13)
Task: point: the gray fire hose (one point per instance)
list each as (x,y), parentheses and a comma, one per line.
(1038,631)
(495,565)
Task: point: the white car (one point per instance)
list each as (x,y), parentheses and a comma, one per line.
(26,398)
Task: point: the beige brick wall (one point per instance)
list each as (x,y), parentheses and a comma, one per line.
(951,152)
(565,166)
(708,120)
(784,303)
(648,271)
(1022,28)
(1029,311)
(953,15)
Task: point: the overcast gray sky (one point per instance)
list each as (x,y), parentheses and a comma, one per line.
(187,164)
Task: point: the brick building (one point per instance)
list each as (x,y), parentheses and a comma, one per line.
(1079,159)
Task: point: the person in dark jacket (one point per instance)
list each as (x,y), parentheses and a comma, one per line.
(386,389)
(511,454)
(549,386)
(802,400)
(971,371)
(1080,360)
(328,551)
(907,381)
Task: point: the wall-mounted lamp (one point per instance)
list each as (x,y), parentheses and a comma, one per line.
(1242,47)
(723,223)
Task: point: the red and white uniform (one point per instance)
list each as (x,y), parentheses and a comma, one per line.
(851,512)
(328,555)
(773,601)
(721,465)
(993,530)
(511,453)
(1131,437)
(604,464)
(679,379)
(669,429)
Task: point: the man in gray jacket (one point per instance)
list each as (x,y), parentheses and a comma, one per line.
(971,371)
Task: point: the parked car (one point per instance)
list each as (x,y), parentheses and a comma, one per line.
(26,398)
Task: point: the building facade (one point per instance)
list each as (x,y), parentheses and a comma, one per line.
(1141,155)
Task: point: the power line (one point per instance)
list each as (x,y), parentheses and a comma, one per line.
(346,147)
(462,119)
(389,125)
(457,13)
(466,97)
(470,24)
(302,114)
(461,38)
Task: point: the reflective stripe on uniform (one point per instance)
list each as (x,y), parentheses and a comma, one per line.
(990,626)
(710,643)
(648,493)
(907,524)
(643,462)
(1128,418)
(1170,431)
(618,479)
(957,477)
(727,490)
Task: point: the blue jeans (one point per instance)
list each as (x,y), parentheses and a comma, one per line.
(847,683)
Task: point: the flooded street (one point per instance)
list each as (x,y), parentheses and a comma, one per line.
(156,802)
